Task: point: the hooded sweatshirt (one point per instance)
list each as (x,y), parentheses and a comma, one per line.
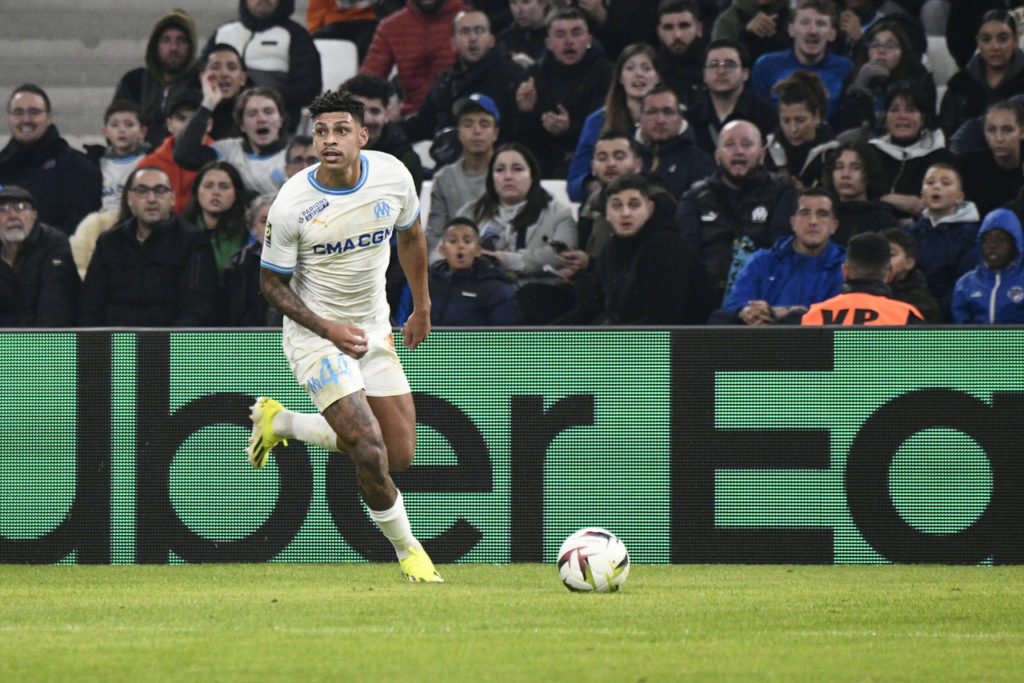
(984,295)
(150,86)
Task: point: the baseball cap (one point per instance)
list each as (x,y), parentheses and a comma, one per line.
(14,193)
(476,102)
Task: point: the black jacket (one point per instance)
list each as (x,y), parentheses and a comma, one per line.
(683,73)
(41,290)
(749,107)
(481,296)
(65,183)
(246,305)
(168,280)
(857,217)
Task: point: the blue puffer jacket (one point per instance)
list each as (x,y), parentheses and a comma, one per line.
(782,277)
(991,296)
(479,296)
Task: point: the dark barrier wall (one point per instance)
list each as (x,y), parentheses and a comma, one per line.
(694,445)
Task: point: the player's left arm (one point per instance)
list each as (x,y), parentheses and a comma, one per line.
(412,254)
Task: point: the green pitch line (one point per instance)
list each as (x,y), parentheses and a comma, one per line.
(361,622)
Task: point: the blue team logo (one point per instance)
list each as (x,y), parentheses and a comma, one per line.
(381,209)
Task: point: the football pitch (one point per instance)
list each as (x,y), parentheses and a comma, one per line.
(361,622)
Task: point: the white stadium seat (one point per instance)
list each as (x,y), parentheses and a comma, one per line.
(339,61)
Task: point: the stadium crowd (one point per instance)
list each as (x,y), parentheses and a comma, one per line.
(718,156)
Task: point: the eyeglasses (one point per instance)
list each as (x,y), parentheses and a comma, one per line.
(887,47)
(467,30)
(14,207)
(305,161)
(664,111)
(727,65)
(144,191)
(31,113)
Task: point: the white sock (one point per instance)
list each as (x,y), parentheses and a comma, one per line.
(310,428)
(394,522)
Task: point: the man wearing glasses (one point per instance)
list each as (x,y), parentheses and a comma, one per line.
(65,184)
(38,280)
(726,96)
(152,270)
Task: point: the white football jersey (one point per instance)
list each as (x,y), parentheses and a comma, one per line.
(336,242)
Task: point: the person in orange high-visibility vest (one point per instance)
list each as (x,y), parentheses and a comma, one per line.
(865,298)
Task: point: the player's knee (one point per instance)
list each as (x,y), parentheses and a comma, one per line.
(400,455)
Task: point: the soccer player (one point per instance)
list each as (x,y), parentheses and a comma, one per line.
(324,256)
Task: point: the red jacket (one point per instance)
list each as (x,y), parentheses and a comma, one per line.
(181,180)
(420,44)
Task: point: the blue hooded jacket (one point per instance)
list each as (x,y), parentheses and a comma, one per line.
(782,277)
(991,296)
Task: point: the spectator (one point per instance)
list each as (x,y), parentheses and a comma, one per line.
(126,146)
(963,22)
(993,293)
(860,16)
(946,233)
(478,68)
(813,27)
(299,155)
(910,145)
(995,73)
(246,305)
(277,52)
(38,281)
(518,223)
(615,154)
(618,23)
(866,297)
(464,180)
(524,38)
(64,183)
(779,284)
(218,206)
(646,274)
(353,20)
(992,176)
(726,96)
(83,242)
(385,134)
(153,270)
(854,172)
(884,56)
(681,47)
(466,287)
(908,282)
(797,146)
(223,68)
(170,67)
(759,25)
(181,107)
(668,146)
(740,208)
(259,154)
(417,41)
(635,74)
(560,92)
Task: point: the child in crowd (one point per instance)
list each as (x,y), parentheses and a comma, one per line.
(126,146)
(468,288)
(945,233)
(908,282)
(993,292)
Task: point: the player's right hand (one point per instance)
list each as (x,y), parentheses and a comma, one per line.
(351,340)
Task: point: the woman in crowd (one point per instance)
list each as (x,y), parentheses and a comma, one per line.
(992,176)
(218,206)
(854,172)
(636,73)
(909,146)
(259,154)
(524,228)
(797,147)
(884,55)
(246,305)
(993,74)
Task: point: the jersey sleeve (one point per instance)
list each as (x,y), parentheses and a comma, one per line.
(280,242)
(410,201)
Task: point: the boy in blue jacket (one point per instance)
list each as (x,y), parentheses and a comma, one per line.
(468,288)
(994,291)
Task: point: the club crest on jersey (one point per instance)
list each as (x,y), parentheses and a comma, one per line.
(311,211)
(381,209)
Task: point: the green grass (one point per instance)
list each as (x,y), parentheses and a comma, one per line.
(360,622)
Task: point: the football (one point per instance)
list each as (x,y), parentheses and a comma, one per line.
(593,560)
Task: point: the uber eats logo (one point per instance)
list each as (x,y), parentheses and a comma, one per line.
(706,446)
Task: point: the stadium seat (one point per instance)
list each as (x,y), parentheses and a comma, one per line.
(339,61)
(940,61)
